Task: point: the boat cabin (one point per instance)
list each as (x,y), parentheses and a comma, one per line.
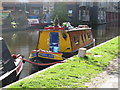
(57,43)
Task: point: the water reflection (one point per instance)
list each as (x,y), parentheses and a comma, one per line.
(105,32)
(21,42)
(24,41)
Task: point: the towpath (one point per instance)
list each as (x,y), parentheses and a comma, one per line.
(109,78)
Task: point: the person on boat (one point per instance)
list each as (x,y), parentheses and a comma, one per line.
(14,24)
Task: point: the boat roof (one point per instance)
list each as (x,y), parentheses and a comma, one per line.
(68,30)
(59,28)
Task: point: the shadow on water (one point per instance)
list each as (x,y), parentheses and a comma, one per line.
(36,68)
(24,42)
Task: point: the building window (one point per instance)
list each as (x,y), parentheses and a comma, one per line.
(70,13)
(45,9)
(36,12)
(51,8)
(79,14)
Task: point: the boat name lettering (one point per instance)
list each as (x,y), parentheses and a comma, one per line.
(34,54)
(47,55)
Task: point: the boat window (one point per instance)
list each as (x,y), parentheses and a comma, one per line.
(64,35)
(82,38)
(85,36)
(76,39)
(89,36)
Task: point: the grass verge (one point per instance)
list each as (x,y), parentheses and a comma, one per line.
(74,73)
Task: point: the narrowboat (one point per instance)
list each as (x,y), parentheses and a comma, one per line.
(56,43)
(10,65)
(35,22)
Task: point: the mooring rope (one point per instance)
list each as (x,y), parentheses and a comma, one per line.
(40,64)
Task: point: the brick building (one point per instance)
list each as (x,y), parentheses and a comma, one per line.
(78,12)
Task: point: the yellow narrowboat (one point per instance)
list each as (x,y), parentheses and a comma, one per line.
(58,43)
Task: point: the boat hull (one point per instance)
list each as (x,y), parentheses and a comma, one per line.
(41,60)
(12,75)
(9,79)
(64,55)
(10,66)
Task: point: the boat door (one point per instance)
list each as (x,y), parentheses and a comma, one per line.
(54,41)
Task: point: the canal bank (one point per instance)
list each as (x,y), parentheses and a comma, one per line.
(108,78)
(75,72)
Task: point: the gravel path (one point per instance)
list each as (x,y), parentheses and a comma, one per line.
(108,78)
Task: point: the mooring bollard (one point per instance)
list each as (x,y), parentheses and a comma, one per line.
(82,52)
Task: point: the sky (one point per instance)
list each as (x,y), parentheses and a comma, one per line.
(60,0)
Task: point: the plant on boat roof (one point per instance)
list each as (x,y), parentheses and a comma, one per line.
(56,21)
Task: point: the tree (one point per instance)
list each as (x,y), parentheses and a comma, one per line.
(60,10)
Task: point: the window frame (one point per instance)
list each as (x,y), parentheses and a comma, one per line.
(76,40)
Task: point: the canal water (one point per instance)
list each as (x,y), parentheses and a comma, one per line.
(23,42)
